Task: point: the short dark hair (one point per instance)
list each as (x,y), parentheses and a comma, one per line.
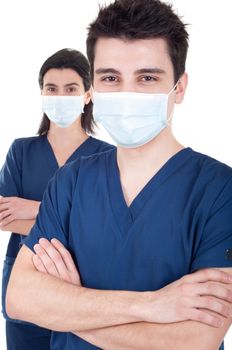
(73,59)
(141,19)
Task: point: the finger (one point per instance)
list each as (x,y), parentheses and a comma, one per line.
(46,260)
(56,258)
(38,264)
(3,206)
(64,253)
(4,214)
(68,260)
(215,305)
(4,199)
(205,317)
(208,275)
(7,220)
(218,290)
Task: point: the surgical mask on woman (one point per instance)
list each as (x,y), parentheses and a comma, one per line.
(63,110)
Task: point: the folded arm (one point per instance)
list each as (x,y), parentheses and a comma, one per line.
(17,214)
(187,335)
(63,306)
(21,227)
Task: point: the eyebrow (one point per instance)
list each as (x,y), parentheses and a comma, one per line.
(139,71)
(49,84)
(71,84)
(66,85)
(150,70)
(106,70)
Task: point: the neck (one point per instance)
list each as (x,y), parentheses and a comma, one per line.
(64,141)
(73,133)
(151,155)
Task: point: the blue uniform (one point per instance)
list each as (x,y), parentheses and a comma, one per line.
(180,222)
(29,165)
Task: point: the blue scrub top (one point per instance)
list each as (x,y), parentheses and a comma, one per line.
(29,165)
(181,221)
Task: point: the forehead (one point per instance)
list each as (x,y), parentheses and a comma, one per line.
(61,76)
(130,55)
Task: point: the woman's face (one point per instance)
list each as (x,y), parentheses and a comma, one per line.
(64,82)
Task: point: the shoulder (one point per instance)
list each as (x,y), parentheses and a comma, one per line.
(93,160)
(210,167)
(97,159)
(87,166)
(80,176)
(213,177)
(101,146)
(25,142)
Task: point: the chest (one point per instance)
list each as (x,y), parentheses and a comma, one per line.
(63,152)
(131,188)
(142,247)
(39,164)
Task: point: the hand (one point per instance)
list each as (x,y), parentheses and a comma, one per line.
(204,296)
(15,208)
(53,258)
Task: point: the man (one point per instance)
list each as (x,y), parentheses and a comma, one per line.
(149,225)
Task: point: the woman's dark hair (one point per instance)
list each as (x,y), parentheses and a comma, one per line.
(73,59)
(141,19)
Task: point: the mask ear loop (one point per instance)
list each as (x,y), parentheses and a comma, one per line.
(174,88)
(170,118)
(171,115)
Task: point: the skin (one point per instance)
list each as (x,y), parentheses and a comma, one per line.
(195,310)
(22,227)
(54,259)
(18,214)
(126,66)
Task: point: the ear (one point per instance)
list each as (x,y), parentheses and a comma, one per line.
(181,88)
(88,95)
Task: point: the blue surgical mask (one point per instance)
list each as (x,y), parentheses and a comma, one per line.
(132,119)
(63,110)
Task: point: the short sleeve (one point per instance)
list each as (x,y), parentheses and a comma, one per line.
(11,172)
(54,213)
(215,248)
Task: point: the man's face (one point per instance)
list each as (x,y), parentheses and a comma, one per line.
(142,65)
(132,66)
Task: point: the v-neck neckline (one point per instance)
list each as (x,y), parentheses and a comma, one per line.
(126,215)
(77,152)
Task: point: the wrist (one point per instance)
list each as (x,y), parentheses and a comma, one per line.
(36,206)
(144,307)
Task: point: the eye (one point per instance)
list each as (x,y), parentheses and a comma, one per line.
(148,78)
(71,89)
(109,79)
(51,89)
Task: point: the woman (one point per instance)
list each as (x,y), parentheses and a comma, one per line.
(31,162)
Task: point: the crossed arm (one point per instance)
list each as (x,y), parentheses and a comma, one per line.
(22,227)
(17,214)
(119,320)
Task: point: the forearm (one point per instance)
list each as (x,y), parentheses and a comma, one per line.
(188,335)
(16,213)
(21,227)
(185,335)
(35,208)
(63,306)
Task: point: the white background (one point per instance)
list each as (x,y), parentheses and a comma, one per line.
(33,30)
